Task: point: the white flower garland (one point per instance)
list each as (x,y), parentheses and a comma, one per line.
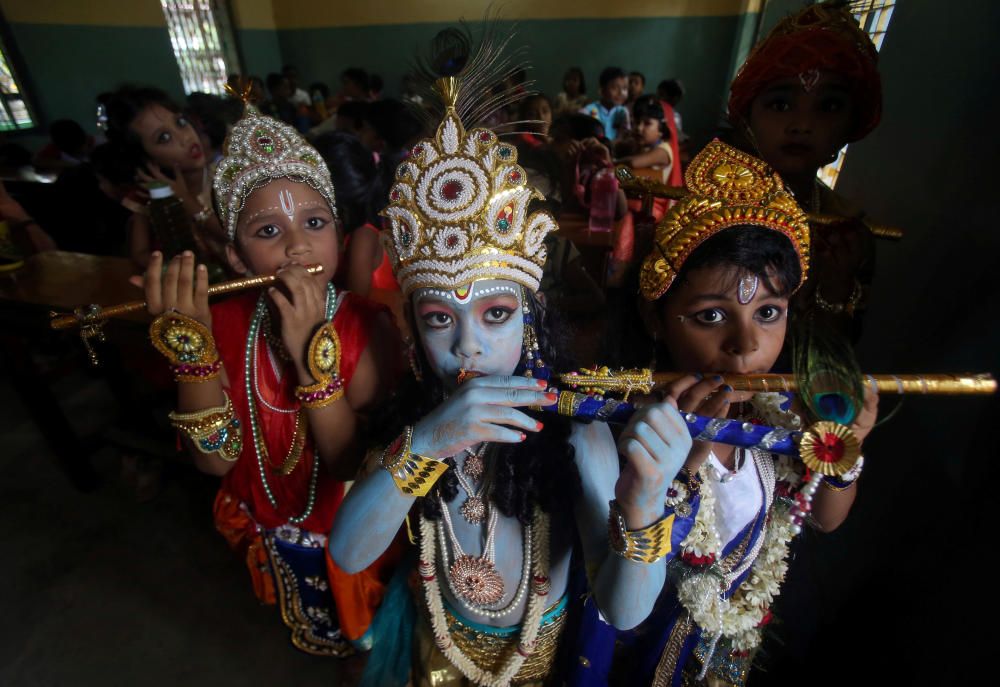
(530,625)
(738,618)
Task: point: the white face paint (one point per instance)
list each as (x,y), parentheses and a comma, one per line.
(287,203)
(479,328)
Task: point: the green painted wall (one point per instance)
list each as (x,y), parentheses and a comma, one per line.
(260,51)
(697,50)
(67,65)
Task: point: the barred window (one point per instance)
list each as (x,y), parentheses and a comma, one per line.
(14,111)
(873,16)
(202,37)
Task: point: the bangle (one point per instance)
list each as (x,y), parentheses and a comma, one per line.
(847,308)
(413,474)
(320,394)
(647,545)
(844,482)
(213,430)
(188,345)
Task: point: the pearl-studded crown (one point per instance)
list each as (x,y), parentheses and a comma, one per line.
(260,149)
(459,213)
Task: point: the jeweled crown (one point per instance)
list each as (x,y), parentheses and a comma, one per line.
(257,150)
(459,213)
(727,188)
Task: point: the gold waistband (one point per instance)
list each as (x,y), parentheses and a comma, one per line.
(486,650)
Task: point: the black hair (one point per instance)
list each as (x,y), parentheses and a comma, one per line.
(577,127)
(523,106)
(375,83)
(640,75)
(357,75)
(648,107)
(214,115)
(540,470)
(749,249)
(671,90)
(354,175)
(123,106)
(579,75)
(68,136)
(397,125)
(609,74)
(354,110)
(274,80)
(108,161)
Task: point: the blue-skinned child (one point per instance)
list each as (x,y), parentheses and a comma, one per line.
(495,496)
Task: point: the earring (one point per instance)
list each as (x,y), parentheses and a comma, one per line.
(411,354)
(531,354)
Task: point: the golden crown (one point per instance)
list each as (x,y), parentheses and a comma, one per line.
(459,213)
(260,149)
(726,188)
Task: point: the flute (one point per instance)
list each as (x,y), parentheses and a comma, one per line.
(91,313)
(91,318)
(628,381)
(647,186)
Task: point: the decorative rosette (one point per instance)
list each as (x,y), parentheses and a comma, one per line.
(459,213)
(183,340)
(324,353)
(829,448)
(727,188)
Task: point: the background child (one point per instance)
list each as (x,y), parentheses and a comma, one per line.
(610,109)
(574,93)
(160,143)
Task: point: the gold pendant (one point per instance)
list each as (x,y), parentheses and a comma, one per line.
(476,580)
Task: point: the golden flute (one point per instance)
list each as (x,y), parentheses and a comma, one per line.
(90,314)
(603,379)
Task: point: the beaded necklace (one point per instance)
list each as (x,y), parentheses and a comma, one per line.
(530,625)
(298,439)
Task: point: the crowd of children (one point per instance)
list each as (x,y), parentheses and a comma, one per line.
(485,540)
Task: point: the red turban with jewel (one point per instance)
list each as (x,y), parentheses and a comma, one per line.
(821,38)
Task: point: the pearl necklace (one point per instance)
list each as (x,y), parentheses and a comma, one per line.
(249,381)
(530,625)
(522,584)
(277,373)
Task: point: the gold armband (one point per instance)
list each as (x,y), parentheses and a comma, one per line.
(323,359)
(213,430)
(647,545)
(413,474)
(188,345)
